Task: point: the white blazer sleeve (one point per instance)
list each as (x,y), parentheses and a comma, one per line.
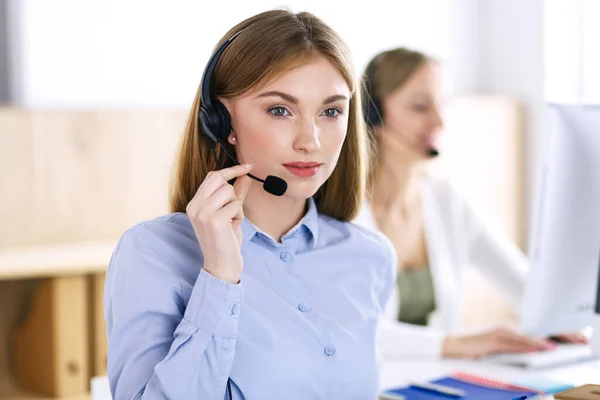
(496,255)
(400,341)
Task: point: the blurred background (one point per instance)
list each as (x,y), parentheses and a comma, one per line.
(94,96)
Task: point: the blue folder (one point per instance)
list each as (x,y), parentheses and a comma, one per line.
(473,391)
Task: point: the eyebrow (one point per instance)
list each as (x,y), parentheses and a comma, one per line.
(294,100)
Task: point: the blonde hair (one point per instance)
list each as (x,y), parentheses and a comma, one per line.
(385,73)
(271,43)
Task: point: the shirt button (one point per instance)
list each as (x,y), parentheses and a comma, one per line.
(285,256)
(329,351)
(303,307)
(235,310)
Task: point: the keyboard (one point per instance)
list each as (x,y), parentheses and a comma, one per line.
(561,355)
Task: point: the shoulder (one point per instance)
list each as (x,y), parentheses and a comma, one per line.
(362,228)
(366,242)
(376,240)
(164,247)
(162,235)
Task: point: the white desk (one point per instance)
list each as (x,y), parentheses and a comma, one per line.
(400,373)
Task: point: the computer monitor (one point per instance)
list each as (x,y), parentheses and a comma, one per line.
(595,342)
(562,292)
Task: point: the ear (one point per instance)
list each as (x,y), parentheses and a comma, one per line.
(232,139)
(377,130)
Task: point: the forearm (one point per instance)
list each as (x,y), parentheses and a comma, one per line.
(198,358)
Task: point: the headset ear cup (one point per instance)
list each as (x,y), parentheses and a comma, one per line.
(207,125)
(372,109)
(224,120)
(372,113)
(215,121)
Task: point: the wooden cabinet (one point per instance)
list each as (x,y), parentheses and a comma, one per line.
(50,349)
(59,343)
(71,182)
(99,343)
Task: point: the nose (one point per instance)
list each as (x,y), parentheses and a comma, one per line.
(307,139)
(438,118)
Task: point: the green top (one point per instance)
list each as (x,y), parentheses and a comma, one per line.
(417,298)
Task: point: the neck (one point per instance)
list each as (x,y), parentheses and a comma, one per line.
(396,184)
(271,214)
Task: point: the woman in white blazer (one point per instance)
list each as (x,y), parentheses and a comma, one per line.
(433,229)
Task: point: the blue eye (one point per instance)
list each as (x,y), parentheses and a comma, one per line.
(332,112)
(278,112)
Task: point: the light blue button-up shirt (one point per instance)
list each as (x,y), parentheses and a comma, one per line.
(301,324)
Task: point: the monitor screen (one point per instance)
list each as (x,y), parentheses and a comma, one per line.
(562,237)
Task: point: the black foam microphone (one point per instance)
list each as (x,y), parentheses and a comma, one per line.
(431,152)
(271,184)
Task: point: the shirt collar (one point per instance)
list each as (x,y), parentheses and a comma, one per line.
(310,222)
(248,232)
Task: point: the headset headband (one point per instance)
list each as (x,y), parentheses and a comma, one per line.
(210,69)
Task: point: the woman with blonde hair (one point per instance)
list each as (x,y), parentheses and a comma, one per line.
(248,290)
(435,232)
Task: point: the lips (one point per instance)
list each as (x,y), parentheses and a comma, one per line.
(303,169)
(431,139)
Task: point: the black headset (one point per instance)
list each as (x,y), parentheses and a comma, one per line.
(372,109)
(215,121)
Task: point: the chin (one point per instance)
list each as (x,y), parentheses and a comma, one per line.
(302,190)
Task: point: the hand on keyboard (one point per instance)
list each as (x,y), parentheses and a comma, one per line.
(576,337)
(500,340)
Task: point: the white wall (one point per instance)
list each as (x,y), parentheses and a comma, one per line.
(134,53)
(130,53)
(591,51)
(512,62)
(4,69)
(539,51)
(572,51)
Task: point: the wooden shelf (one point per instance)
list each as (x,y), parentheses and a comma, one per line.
(23,396)
(55,260)
(8,392)
(63,181)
